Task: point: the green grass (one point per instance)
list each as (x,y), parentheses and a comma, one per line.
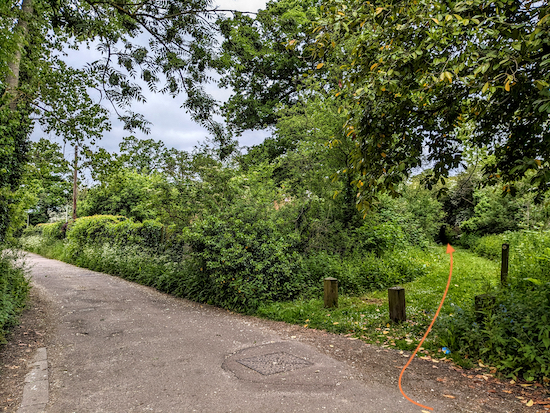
(367,317)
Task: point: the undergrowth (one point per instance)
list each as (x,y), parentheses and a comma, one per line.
(14,290)
(257,268)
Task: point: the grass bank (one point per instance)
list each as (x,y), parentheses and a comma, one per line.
(367,316)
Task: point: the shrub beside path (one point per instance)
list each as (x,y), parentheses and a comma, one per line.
(115,346)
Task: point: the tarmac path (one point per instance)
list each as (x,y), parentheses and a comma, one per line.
(121,347)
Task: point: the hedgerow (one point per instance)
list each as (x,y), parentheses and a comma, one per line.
(237,261)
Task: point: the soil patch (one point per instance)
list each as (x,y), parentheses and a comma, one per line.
(23,341)
(480,390)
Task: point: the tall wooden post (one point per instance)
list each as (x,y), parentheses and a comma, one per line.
(504,264)
(331,292)
(396,301)
(75,179)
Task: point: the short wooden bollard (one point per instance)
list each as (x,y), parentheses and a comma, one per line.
(504,264)
(396,300)
(331,292)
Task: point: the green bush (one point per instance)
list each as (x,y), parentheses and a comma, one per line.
(529,252)
(514,335)
(489,246)
(54,230)
(32,230)
(241,265)
(14,289)
(381,237)
(230,263)
(91,230)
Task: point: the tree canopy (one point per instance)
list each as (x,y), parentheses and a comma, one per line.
(257,64)
(421,72)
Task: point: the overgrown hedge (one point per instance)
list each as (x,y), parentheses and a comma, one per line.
(235,263)
(14,289)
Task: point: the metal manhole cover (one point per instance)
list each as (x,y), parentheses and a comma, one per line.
(274,363)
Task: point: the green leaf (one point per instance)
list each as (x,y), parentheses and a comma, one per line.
(534,281)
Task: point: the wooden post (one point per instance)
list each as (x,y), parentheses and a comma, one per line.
(504,264)
(331,292)
(396,300)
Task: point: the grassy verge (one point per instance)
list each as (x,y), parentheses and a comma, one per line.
(367,317)
(14,290)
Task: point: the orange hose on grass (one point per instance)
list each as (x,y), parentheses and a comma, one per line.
(450,251)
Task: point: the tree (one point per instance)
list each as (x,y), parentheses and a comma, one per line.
(168,45)
(47,177)
(127,193)
(178,35)
(420,71)
(264,60)
(307,147)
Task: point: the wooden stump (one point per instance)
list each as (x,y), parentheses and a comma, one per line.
(396,300)
(331,292)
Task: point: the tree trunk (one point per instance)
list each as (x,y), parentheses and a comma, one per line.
(22,31)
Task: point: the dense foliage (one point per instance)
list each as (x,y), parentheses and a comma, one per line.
(512,333)
(14,289)
(428,79)
(370,113)
(262,246)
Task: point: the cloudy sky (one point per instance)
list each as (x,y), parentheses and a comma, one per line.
(170,123)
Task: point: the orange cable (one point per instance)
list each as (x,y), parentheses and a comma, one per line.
(450,251)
